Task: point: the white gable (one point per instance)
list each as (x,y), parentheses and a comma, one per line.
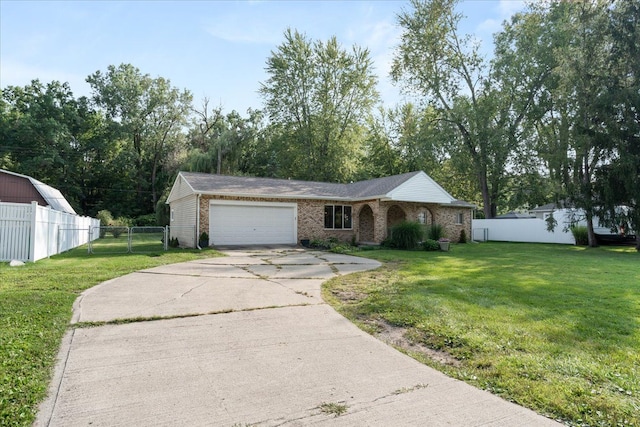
(420,188)
(181,188)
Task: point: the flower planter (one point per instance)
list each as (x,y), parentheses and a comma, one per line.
(444,246)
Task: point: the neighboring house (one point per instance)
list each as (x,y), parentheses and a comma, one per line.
(245,210)
(36,221)
(514,215)
(544,211)
(17,188)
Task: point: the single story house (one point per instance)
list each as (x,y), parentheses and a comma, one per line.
(236,210)
(544,211)
(17,188)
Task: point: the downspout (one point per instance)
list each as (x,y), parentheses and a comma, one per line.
(198,221)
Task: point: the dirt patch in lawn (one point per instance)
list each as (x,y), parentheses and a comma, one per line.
(396,336)
(349,296)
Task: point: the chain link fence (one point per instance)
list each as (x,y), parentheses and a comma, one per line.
(122,240)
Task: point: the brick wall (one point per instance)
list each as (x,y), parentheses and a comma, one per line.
(311,217)
(448,217)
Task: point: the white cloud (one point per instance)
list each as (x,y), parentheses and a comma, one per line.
(505,10)
(508,8)
(489,26)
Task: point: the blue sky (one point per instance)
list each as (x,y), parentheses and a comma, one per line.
(215,49)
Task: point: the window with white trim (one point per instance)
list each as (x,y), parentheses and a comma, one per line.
(460,218)
(337,217)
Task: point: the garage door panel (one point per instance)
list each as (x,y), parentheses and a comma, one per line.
(252,224)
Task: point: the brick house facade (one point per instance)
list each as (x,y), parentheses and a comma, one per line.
(364,211)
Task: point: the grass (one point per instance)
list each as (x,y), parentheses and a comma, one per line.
(148,242)
(335,409)
(554,328)
(35,309)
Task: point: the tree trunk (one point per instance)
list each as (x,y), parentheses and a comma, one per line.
(137,144)
(219,166)
(154,195)
(593,243)
(489,207)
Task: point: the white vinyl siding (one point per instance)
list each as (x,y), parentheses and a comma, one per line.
(420,188)
(180,189)
(252,223)
(183,221)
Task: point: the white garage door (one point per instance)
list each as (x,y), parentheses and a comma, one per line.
(251,223)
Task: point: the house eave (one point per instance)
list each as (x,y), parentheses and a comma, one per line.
(275,196)
(458,205)
(382,198)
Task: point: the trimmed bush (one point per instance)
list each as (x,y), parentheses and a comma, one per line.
(431,245)
(463,236)
(332,245)
(105,217)
(435,232)
(120,225)
(406,235)
(581,234)
(148,220)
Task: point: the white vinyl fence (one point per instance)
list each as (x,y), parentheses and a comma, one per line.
(29,232)
(533,230)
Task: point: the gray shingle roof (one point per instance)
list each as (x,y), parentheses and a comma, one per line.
(562,204)
(378,186)
(239,185)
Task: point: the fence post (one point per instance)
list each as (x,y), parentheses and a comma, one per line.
(32,233)
(50,230)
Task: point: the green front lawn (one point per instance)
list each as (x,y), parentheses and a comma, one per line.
(35,309)
(554,328)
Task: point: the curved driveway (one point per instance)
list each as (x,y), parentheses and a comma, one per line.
(247,340)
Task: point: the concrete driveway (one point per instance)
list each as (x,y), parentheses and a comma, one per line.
(247,340)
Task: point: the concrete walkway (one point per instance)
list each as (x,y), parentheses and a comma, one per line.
(247,340)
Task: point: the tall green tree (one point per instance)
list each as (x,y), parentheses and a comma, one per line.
(148,114)
(42,134)
(222,143)
(403,139)
(486,105)
(582,74)
(317,97)
(618,182)
(572,137)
